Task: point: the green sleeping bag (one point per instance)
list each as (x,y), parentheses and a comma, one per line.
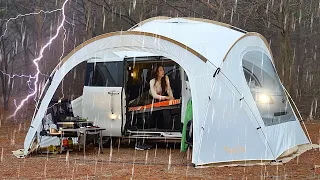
(187,118)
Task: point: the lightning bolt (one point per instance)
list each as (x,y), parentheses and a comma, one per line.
(17,75)
(5,32)
(20,76)
(35,61)
(23,15)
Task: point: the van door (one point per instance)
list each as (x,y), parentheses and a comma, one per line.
(103,98)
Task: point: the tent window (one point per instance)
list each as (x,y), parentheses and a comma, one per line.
(104,74)
(266,88)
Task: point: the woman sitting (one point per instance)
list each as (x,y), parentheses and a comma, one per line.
(160,88)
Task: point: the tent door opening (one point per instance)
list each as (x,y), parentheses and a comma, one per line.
(148,117)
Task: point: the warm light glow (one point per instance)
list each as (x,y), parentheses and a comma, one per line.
(264,98)
(113,116)
(134,74)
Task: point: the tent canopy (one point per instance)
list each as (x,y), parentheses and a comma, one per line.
(228,123)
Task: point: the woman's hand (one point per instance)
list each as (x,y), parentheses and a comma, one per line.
(169,98)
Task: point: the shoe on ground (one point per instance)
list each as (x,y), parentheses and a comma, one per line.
(141,147)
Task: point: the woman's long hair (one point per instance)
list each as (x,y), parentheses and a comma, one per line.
(163,80)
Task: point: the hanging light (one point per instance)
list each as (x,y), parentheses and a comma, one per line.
(113,116)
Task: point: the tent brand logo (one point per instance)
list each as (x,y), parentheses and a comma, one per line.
(237,149)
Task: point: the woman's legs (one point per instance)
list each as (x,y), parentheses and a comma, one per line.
(167,119)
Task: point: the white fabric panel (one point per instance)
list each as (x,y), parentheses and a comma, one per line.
(280,137)
(97,104)
(101,56)
(200,91)
(134,54)
(210,40)
(284,136)
(196,69)
(227,133)
(76,106)
(46,141)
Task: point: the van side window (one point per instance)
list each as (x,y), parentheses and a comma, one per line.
(104,74)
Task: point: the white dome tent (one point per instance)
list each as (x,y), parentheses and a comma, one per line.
(234,86)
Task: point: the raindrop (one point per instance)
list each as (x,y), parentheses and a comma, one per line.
(132,171)
(67,159)
(146,160)
(1,155)
(311,21)
(18,171)
(187,169)
(315,105)
(169,162)
(104,21)
(50,34)
(73,170)
(155,153)
(73,23)
(75,73)
(300,15)
(111,149)
(95,167)
(13,137)
(16,46)
(68,34)
(231,16)
(23,37)
(293,23)
(285,21)
(45,169)
(134,4)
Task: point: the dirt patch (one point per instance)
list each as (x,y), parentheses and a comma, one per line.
(123,162)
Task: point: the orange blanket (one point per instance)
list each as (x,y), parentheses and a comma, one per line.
(154,105)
